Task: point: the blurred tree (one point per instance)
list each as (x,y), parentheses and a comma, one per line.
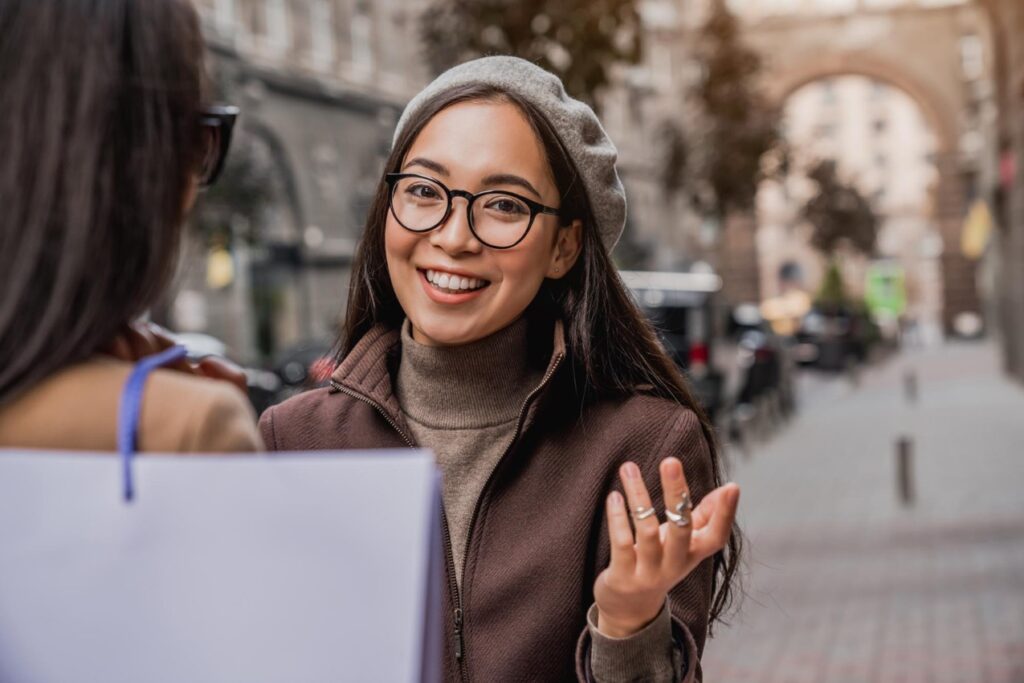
(832,294)
(839,214)
(738,124)
(579,40)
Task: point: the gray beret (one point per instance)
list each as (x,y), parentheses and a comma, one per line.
(575,123)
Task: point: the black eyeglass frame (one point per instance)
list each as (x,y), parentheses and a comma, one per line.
(220,118)
(534,206)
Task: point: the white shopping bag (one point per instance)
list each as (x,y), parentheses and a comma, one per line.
(286,568)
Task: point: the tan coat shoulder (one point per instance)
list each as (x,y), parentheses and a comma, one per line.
(77,409)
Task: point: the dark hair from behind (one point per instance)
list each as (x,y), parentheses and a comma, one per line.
(100,136)
(612,347)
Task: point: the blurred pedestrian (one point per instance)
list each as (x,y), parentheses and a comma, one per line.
(106,135)
(487,322)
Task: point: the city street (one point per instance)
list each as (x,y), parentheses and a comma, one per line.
(843,584)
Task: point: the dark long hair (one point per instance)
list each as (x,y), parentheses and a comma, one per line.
(611,347)
(99,103)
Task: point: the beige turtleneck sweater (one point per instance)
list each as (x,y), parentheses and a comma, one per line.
(463,403)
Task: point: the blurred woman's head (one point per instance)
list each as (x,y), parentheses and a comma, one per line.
(102,140)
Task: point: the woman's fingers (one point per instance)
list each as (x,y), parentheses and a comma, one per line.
(712,522)
(620,535)
(224,370)
(149,338)
(677,501)
(645,517)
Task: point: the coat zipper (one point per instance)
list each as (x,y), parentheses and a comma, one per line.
(460,614)
(453,586)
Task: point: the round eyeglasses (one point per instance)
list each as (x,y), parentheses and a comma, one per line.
(497,218)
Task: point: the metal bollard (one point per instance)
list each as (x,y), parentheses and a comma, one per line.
(910,386)
(905,469)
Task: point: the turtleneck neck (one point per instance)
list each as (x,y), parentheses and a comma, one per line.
(470,386)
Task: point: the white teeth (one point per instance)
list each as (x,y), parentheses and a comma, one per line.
(451,282)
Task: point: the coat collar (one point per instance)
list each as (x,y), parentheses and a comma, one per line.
(368,370)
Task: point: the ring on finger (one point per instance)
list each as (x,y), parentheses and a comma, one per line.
(681,515)
(641,513)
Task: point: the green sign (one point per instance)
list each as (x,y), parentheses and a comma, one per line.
(885,289)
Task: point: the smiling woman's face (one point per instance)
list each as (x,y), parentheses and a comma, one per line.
(476,146)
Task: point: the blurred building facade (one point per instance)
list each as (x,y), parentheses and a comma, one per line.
(321,84)
(1007,166)
(646,110)
(931,51)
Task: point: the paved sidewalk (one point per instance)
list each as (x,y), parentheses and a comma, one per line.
(846,585)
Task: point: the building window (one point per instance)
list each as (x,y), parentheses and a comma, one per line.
(224,15)
(321,20)
(826,130)
(361,28)
(972,57)
(828,92)
(278,27)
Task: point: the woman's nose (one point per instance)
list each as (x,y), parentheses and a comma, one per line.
(455,235)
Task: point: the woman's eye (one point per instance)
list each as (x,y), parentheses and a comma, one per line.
(423,192)
(508,206)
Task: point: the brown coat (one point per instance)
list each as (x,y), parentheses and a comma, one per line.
(76,409)
(538,538)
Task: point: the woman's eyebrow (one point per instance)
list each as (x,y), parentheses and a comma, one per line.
(428,164)
(510,179)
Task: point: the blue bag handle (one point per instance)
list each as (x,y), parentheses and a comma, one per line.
(131,408)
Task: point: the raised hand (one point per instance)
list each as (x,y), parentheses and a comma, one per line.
(631,591)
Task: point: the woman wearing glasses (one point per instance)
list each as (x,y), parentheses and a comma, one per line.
(486,321)
(105,141)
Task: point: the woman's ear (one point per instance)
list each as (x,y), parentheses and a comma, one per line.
(567,250)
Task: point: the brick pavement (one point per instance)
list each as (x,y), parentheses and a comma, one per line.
(846,585)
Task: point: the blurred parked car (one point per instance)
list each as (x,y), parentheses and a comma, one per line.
(680,305)
(834,338)
(763,364)
(304,366)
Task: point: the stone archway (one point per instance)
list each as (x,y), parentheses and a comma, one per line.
(959,289)
(914,49)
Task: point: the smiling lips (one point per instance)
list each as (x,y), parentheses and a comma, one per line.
(449,288)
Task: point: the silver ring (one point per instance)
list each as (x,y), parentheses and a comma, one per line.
(641,513)
(679,520)
(681,515)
